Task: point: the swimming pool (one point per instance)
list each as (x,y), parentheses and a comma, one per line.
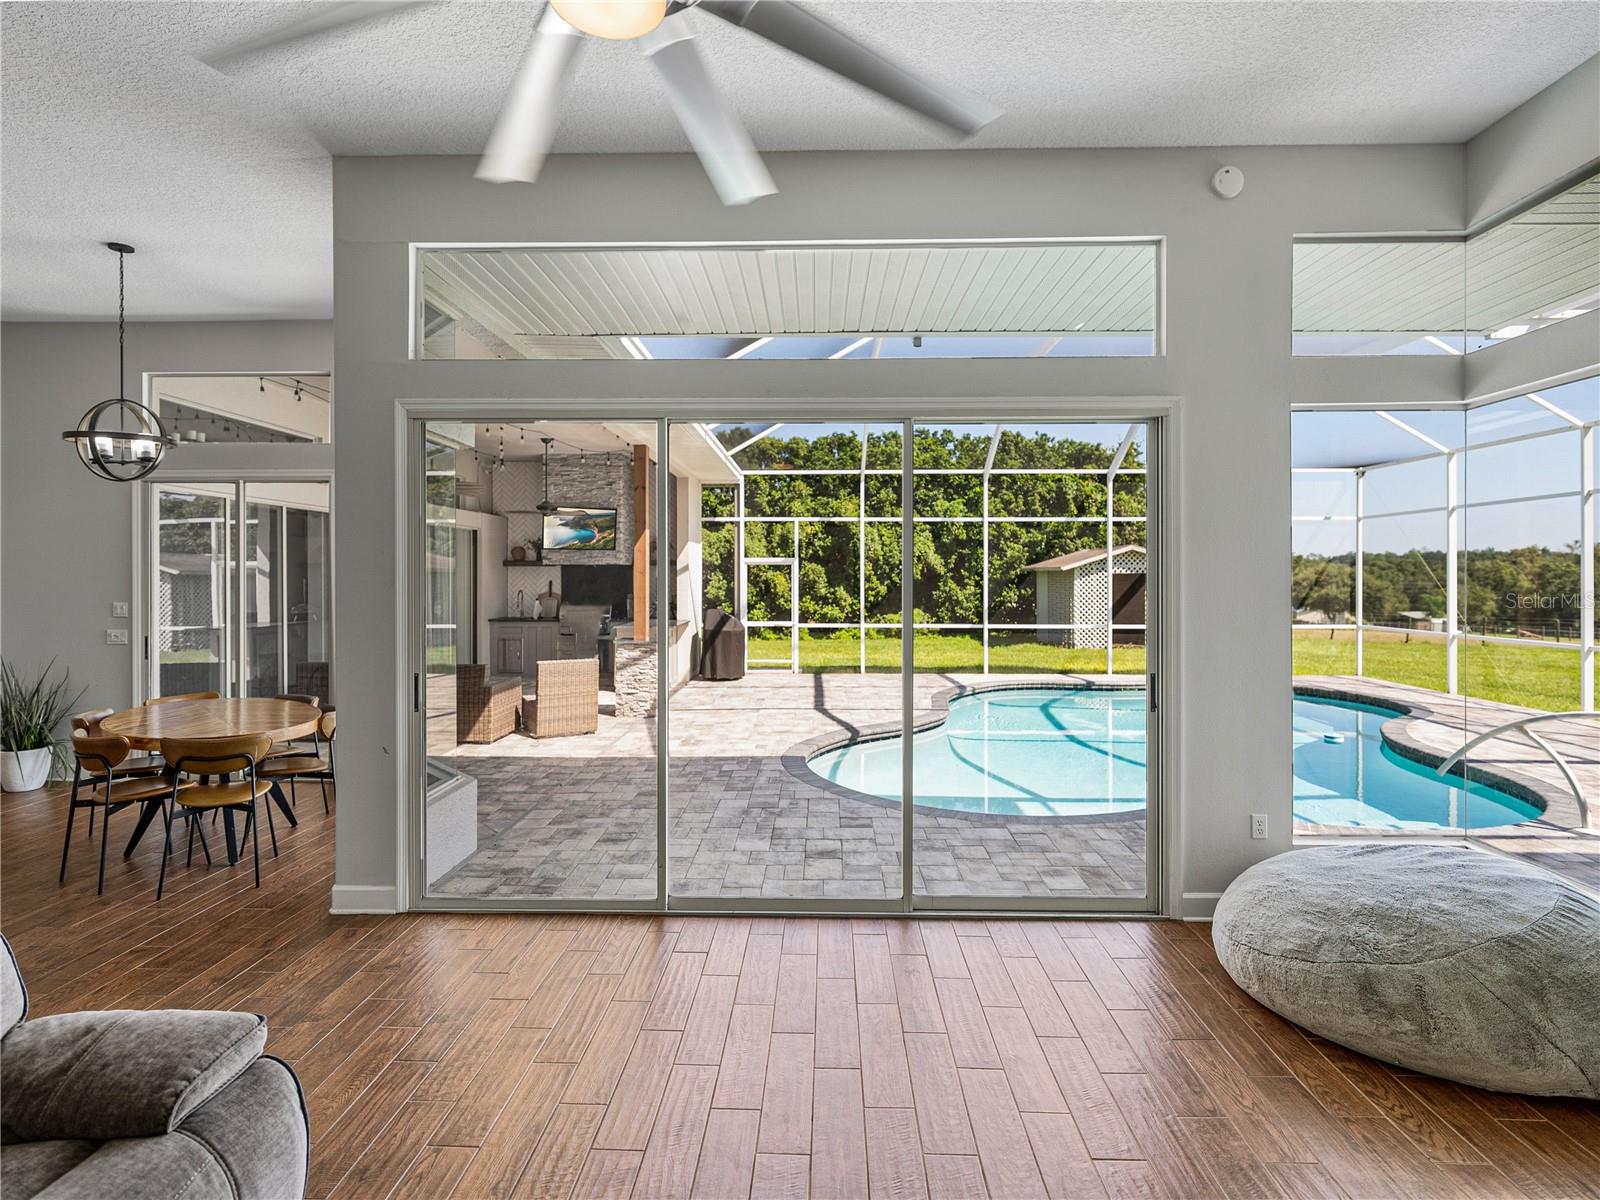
(1345,774)
(1079,752)
(1028,752)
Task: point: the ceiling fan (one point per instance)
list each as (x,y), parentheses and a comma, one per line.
(527,123)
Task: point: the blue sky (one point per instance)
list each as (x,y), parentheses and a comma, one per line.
(1522,469)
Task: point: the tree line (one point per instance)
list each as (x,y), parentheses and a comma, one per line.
(947,558)
(1529,589)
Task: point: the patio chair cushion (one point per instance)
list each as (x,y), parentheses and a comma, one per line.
(1447,960)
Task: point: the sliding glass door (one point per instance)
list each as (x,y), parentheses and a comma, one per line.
(536,684)
(1034,574)
(240,609)
(195,589)
(839,665)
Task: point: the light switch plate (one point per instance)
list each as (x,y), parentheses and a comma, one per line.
(119,608)
(116,637)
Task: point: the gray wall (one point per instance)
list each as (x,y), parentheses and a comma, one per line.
(1537,143)
(1227,281)
(66,536)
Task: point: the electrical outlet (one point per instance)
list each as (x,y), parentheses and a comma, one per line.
(116,637)
(119,608)
(1258,825)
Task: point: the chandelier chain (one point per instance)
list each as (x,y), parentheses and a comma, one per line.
(122,366)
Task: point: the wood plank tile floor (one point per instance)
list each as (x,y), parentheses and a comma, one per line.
(654,1057)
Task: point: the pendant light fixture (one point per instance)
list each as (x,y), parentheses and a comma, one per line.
(544,505)
(120,439)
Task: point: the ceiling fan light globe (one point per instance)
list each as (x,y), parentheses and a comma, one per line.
(619,20)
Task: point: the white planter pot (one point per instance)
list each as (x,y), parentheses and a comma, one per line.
(24,770)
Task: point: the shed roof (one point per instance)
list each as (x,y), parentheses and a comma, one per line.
(1078,558)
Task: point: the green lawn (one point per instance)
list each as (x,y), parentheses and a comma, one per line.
(947,652)
(1532,676)
(188,656)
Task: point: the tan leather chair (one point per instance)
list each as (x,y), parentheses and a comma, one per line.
(296,766)
(97,761)
(211,761)
(297,745)
(137,762)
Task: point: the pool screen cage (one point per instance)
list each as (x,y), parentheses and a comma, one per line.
(1475,470)
(1124,477)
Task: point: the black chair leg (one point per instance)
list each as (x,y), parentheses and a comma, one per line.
(204,849)
(294,796)
(72,811)
(272,829)
(323,780)
(188,857)
(105,832)
(166,851)
(255,842)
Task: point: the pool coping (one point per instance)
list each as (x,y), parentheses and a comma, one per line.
(1396,735)
(797,758)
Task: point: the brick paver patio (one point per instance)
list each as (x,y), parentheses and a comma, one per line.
(575,817)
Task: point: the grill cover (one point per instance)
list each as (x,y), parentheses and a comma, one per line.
(722,646)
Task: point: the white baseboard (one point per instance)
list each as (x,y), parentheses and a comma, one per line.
(352,898)
(1198,906)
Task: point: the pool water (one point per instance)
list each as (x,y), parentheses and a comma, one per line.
(1345,775)
(1032,752)
(1065,752)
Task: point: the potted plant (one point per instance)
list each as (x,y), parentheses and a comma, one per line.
(31,710)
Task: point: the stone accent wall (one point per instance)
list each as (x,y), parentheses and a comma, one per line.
(595,481)
(634,672)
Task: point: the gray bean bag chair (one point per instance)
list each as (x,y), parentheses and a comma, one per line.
(1446,960)
(165,1105)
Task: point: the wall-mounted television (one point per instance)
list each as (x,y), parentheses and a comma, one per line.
(580,529)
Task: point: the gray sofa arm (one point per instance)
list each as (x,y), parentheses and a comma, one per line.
(258,1131)
(120,1074)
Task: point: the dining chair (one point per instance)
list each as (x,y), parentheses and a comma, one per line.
(155,700)
(137,762)
(296,745)
(97,761)
(305,766)
(210,762)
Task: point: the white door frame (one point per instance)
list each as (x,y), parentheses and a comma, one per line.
(1163,848)
(229,468)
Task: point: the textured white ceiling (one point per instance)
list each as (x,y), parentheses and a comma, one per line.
(113,129)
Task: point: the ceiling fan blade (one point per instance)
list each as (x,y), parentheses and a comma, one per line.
(324,19)
(799,29)
(725,149)
(527,124)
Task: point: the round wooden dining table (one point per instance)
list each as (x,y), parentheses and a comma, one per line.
(144,727)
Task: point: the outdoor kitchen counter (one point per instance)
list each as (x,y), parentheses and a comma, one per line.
(633,669)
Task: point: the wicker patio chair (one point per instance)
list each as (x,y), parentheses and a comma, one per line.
(486,705)
(567,699)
